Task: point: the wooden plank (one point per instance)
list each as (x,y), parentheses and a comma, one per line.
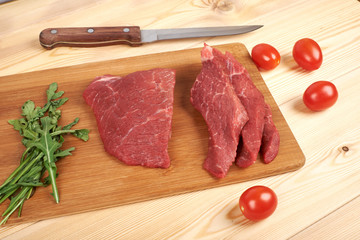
(340,224)
(93,174)
(213,214)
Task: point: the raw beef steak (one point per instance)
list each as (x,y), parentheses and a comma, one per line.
(134,115)
(259,133)
(214,97)
(270,139)
(254,103)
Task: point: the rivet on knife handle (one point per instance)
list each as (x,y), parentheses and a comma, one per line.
(90,36)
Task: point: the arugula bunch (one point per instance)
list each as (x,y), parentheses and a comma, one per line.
(42,137)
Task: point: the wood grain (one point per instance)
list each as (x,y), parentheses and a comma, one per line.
(115,183)
(333,224)
(324,187)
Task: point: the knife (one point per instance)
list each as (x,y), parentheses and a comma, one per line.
(130,35)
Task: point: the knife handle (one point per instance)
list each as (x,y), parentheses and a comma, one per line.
(90,36)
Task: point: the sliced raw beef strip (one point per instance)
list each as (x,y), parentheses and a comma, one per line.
(271,138)
(214,97)
(254,103)
(134,115)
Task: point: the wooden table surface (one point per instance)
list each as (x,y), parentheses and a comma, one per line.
(319,201)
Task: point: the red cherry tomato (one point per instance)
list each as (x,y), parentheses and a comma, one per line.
(307,53)
(265,56)
(258,203)
(320,95)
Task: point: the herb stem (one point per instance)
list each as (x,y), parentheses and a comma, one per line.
(42,137)
(10,178)
(28,167)
(12,211)
(61,132)
(10,191)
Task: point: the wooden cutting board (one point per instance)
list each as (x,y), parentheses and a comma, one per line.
(91,179)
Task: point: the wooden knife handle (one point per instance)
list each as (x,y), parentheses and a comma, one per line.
(90,36)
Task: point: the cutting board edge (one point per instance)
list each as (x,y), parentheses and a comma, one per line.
(16,221)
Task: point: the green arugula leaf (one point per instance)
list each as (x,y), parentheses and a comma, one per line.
(51,91)
(43,138)
(30,112)
(48,146)
(83,134)
(58,103)
(28,109)
(19,125)
(70,125)
(30,134)
(64,153)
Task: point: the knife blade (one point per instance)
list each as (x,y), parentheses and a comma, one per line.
(131,35)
